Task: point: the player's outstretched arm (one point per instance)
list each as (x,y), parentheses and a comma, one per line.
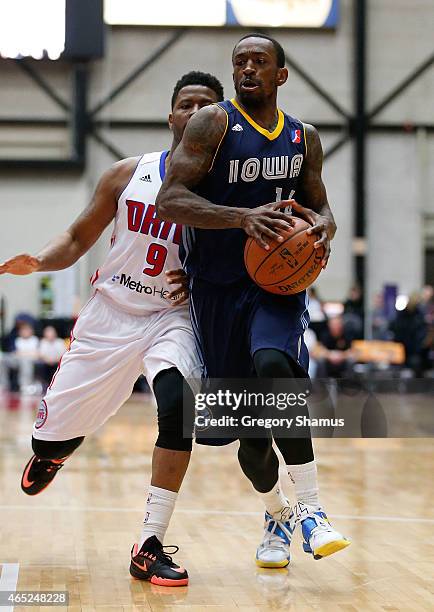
(312,196)
(190,164)
(64,250)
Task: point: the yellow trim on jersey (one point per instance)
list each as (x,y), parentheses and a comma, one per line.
(305,141)
(221,139)
(270,135)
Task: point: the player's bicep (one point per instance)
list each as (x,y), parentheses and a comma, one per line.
(188,166)
(312,192)
(194,155)
(101,210)
(92,221)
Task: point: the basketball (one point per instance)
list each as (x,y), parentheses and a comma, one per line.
(289,266)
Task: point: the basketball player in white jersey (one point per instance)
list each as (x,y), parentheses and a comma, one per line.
(134,323)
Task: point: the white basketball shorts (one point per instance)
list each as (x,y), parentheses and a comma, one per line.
(109,350)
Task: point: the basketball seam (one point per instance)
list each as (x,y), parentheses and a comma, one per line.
(284,280)
(272,253)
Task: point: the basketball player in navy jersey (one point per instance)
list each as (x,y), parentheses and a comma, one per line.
(239,163)
(133,324)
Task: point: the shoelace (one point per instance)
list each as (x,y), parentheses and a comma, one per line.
(164,556)
(51,467)
(272,540)
(305,514)
(54,466)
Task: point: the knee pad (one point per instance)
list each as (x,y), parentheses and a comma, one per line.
(255,451)
(272,363)
(58,449)
(259,462)
(169,392)
(296,450)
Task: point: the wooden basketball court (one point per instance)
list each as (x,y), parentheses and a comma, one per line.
(77,535)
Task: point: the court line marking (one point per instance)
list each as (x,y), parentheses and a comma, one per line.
(347,517)
(9,581)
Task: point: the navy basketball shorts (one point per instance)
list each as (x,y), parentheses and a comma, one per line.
(232,322)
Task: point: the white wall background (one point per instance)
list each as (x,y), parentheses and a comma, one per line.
(36,206)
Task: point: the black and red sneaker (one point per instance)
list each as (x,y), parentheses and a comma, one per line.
(153,564)
(38,474)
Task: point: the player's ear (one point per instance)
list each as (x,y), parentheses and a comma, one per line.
(170,121)
(282,76)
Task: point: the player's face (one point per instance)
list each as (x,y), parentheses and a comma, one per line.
(256,74)
(190,99)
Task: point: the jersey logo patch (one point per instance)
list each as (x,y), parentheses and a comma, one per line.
(237,128)
(41,417)
(296,136)
(146,178)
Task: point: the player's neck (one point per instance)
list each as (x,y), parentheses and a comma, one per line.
(169,155)
(265,115)
(173,146)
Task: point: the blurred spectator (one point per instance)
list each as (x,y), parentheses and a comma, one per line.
(9,340)
(333,354)
(427,303)
(379,321)
(311,341)
(354,302)
(51,349)
(410,328)
(354,313)
(318,318)
(21,361)
(26,353)
(26,343)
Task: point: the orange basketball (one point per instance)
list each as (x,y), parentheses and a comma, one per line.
(289,266)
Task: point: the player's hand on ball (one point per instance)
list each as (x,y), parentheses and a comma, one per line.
(321,225)
(265,222)
(178,277)
(20,264)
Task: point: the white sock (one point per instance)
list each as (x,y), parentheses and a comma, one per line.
(305,479)
(275,499)
(160,504)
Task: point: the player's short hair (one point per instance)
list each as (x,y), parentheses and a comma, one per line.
(194,77)
(280,53)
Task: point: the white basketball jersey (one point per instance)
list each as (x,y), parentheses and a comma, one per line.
(142,246)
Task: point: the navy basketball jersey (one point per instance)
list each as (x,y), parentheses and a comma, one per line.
(252,167)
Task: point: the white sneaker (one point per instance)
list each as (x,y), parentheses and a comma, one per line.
(320,538)
(274,549)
